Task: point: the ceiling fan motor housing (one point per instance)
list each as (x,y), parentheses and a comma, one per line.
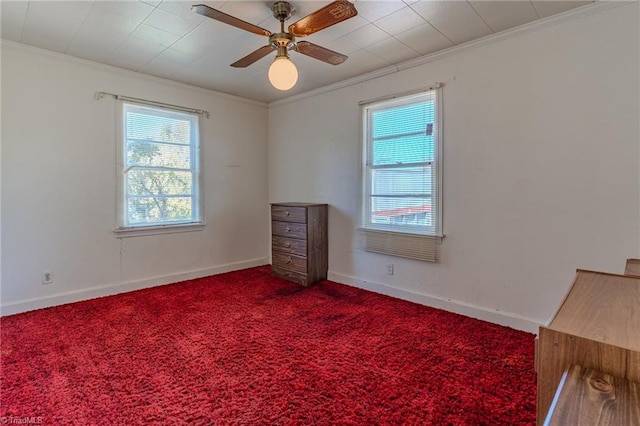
(281,10)
(282,42)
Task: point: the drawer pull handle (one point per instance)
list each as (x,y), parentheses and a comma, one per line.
(287,244)
(287,229)
(286,213)
(289,260)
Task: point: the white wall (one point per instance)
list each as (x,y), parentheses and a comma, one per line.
(541,168)
(58,184)
(542,174)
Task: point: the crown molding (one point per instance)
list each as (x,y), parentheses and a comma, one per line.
(598,6)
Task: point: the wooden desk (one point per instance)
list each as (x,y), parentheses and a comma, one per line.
(597,326)
(589,397)
(633,267)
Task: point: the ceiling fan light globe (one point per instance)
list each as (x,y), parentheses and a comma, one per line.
(283,74)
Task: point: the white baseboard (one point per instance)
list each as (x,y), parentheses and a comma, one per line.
(111,289)
(458,307)
(497,317)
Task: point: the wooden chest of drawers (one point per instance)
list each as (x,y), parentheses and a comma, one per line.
(299,242)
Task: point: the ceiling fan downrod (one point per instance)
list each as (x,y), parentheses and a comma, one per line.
(282,41)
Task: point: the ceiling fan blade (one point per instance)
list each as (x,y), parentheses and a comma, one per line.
(253,56)
(212,13)
(319,52)
(327,16)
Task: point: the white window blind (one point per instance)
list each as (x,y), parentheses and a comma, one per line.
(159,167)
(401,175)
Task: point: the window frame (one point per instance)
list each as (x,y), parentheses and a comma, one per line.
(196,222)
(367,166)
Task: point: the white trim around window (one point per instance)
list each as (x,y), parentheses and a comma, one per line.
(158,168)
(401,179)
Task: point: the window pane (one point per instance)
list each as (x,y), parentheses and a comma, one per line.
(401,170)
(160,179)
(401,181)
(149,210)
(158,128)
(403,119)
(403,150)
(401,211)
(153,182)
(158,155)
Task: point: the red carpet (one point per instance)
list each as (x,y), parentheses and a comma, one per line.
(247,348)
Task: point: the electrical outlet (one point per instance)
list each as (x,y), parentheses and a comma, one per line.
(390,269)
(47,277)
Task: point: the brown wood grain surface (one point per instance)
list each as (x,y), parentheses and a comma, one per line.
(289,213)
(602,307)
(597,326)
(590,397)
(632,267)
(299,241)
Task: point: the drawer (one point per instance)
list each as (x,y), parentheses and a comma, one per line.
(289,245)
(292,263)
(289,214)
(296,277)
(289,229)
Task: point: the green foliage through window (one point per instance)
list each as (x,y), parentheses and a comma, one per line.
(160,166)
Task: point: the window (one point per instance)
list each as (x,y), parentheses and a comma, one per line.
(159,168)
(401,177)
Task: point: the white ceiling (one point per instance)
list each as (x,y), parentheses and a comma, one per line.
(168,40)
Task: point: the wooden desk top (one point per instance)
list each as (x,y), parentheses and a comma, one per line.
(589,397)
(633,267)
(602,307)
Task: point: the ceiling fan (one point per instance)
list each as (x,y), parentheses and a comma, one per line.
(283,73)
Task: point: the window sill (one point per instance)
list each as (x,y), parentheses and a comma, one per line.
(157,230)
